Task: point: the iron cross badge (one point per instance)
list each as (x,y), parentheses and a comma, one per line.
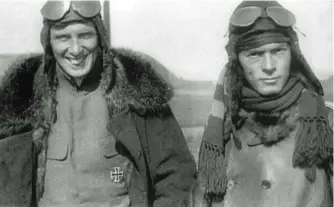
(116,175)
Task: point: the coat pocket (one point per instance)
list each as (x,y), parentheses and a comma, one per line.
(114,154)
(117,165)
(16,170)
(109,147)
(58,142)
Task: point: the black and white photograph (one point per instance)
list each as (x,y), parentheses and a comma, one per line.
(163,103)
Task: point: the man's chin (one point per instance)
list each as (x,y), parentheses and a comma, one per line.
(268,93)
(269,90)
(78,74)
(76,71)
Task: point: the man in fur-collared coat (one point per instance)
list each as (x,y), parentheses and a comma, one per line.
(83,125)
(269,138)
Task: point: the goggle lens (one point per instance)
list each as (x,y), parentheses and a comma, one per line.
(245,17)
(87,8)
(281,16)
(55,10)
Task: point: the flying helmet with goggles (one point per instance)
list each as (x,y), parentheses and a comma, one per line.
(255,23)
(55,12)
(262,22)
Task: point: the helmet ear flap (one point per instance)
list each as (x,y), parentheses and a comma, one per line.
(104,40)
(299,63)
(45,41)
(44,35)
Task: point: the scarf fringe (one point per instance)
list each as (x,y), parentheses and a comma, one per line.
(212,158)
(212,169)
(314,144)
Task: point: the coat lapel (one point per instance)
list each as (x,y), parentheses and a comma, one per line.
(123,128)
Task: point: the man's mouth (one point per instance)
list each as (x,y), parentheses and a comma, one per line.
(270,80)
(76,61)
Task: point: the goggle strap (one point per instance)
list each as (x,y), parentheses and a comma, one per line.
(298,30)
(226,34)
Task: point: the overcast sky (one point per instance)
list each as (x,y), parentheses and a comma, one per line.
(185,35)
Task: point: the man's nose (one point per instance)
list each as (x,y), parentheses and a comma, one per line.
(268,63)
(75,48)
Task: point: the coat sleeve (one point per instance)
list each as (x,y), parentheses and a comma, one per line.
(16,161)
(16,134)
(171,164)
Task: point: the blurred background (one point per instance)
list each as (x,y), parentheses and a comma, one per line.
(187,36)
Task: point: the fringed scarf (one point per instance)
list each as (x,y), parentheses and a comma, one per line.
(314,141)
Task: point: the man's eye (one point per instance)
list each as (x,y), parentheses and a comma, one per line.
(279,50)
(86,35)
(254,54)
(62,38)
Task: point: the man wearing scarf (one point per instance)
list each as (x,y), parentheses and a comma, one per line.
(268,140)
(87,125)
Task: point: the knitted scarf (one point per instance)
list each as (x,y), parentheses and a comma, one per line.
(252,101)
(314,144)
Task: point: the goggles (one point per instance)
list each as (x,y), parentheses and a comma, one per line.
(55,10)
(246,16)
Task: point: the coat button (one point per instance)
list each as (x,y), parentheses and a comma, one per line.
(230,184)
(266,184)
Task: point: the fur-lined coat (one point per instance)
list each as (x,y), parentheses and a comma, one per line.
(140,119)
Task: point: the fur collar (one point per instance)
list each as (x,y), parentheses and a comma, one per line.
(26,95)
(269,128)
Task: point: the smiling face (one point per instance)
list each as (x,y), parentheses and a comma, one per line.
(75,47)
(267,68)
